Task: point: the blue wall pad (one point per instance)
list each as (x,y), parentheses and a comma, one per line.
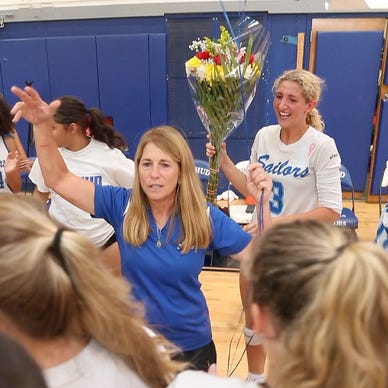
(24,60)
(73,77)
(350,62)
(381,153)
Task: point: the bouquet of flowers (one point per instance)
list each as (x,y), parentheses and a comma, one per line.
(222,77)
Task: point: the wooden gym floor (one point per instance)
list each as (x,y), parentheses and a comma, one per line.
(222,294)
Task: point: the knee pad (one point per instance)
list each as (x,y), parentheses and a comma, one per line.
(251,338)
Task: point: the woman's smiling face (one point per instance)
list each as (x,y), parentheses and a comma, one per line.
(290,106)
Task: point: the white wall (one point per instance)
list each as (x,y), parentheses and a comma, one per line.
(28,10)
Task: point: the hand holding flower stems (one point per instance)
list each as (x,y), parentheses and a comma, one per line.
(222,78)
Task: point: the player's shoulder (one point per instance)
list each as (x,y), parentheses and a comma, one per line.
(319,136)
(268,131)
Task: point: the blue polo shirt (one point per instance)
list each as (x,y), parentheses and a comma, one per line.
(165,279)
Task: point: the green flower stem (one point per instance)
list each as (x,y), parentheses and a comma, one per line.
(214,164)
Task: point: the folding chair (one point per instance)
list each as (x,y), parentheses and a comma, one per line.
(348,218)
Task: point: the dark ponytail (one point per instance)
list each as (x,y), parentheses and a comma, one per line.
(92,121)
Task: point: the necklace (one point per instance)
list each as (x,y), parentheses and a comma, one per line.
(158,232)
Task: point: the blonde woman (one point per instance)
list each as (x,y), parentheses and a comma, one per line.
(303,163)
(72,316)
(163,225)
(320,306)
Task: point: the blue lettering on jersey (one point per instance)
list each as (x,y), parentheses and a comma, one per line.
(97,180)
(282,168)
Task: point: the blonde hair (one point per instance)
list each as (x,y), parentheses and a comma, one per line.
(190,206)
(311,86)
(329,296)
(50,290)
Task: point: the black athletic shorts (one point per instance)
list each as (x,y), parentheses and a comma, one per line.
(199,359)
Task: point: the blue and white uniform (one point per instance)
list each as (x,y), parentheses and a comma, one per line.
(165,279)
(3,156)
(98,163)
(305,174)
(382,229)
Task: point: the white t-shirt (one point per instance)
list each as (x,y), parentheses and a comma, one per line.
(93,367)
(199,379)
(3,156)
(305,174)
(99,164)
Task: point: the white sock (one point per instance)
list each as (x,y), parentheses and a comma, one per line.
(256,378)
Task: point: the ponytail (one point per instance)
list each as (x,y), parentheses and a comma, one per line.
(52,285)
(314,119)
(92,121)
(104,132)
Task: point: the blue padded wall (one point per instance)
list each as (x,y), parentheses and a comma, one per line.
(70,72)
(140,81)
(381,152)
(1,78)
(24,60)
(124,88)
(158,79)
(114,73)
(349,62)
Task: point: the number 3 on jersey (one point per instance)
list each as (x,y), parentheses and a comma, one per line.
(276,202)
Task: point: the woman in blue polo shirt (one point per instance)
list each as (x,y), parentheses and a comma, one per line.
(163,225)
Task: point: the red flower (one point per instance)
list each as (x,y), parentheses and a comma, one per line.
(218,59)
(203,55)
(251,59)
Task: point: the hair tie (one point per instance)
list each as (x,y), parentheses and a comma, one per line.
(90,123)
(56,248)
(342,247)
(57,241)
(339,250)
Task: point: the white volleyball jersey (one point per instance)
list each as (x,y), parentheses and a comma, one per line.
(3,156)
(305,174)
(98,163)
